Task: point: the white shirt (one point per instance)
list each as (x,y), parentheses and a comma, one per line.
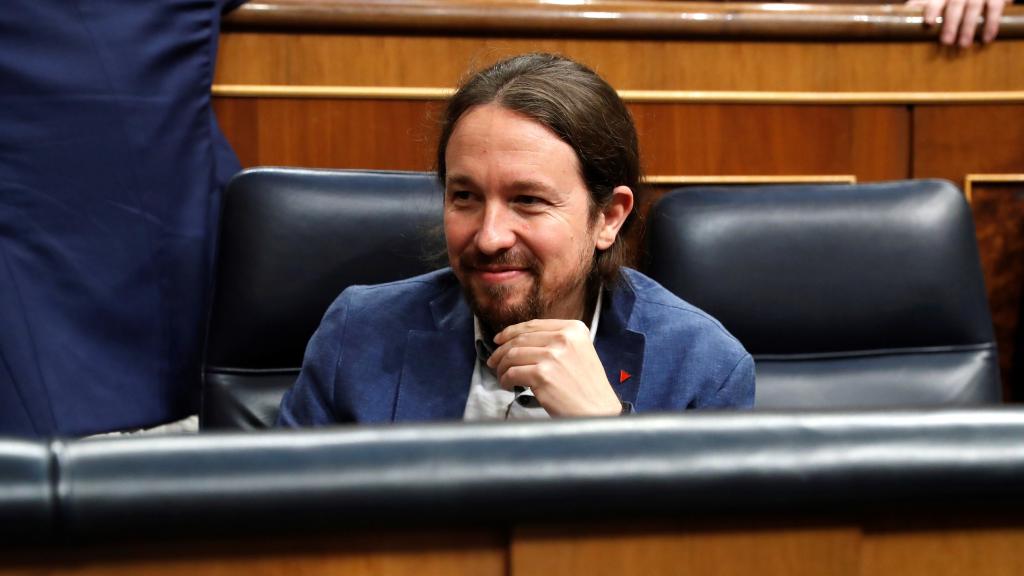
(488,401)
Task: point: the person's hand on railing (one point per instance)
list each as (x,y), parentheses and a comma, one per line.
(960,19)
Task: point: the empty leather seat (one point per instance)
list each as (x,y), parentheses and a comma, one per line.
(291,241)
(847,296)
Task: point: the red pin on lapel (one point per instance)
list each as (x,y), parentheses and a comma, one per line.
(623,376)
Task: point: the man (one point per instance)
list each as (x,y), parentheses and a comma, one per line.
(539,160)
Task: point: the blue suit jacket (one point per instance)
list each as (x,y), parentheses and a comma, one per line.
(404,351)
(111,166)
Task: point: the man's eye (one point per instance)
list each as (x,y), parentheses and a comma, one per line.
(460,196)
(528,200)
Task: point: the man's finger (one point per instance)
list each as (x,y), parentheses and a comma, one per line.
(537,339)
(932,9)
(536,325)
(993,15)
(969,24)
(951,21)
(521,358)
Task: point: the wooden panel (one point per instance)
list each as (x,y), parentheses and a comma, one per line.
(438,553)
(906,547)
(871,142)
(999,222)
(951,141)
(540,551)
(628,64)
(315,133)
(935,552)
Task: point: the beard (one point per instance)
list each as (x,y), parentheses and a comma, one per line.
(496,306)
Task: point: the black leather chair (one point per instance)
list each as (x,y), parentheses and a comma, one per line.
(291,241)
(847,296)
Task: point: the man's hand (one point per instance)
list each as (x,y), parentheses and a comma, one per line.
(557,361)
(960,18)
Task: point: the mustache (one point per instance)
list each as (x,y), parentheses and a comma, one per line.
(510,258)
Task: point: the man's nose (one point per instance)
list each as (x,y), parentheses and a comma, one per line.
(495,234)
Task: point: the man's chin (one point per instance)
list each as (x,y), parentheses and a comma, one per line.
(498,311)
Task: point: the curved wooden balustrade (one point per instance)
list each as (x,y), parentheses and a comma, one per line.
(621,18)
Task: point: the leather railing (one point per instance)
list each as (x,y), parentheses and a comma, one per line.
(404,475)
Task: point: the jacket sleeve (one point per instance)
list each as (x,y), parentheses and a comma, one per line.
(737,390)
(310,402)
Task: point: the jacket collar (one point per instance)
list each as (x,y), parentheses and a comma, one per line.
(621,349)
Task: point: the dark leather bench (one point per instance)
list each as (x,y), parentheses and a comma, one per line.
(770,464)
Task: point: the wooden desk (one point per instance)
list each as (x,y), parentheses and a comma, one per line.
(784,548)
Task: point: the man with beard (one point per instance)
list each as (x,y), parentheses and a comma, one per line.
(536,316)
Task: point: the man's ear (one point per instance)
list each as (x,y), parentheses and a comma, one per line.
(613,216)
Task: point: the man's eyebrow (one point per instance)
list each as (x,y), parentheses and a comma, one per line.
(458,180)
(518,186)
(528,185)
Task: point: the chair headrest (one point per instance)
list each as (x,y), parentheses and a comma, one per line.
(826,268)
(293,239)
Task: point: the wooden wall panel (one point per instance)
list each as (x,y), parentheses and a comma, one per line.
(999,222)
(627,63)
(953,141)
(322,133)
(910,547)
(540,551)
(936,552)
(433,553)
(871,142)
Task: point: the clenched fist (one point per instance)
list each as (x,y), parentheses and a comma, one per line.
(557,361)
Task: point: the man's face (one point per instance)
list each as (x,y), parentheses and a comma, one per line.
(517,219)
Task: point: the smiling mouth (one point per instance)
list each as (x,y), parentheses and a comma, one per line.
(499,275)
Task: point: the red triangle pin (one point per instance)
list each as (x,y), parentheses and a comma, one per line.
(623,376)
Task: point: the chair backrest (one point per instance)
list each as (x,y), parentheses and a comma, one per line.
(847,296)
(291,240)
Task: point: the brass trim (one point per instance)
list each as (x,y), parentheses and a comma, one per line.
(971,179)
(369,92)
(755,179)
(663,96)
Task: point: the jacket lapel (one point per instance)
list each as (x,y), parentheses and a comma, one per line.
(438,364)
(621,350)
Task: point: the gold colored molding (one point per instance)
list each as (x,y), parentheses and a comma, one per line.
(755,179)
(341,92)
(971,180)
(659,96)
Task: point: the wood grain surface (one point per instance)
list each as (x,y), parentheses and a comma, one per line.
(424,553)
(870,142)
(594,17)
(361,59)
(916,546)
